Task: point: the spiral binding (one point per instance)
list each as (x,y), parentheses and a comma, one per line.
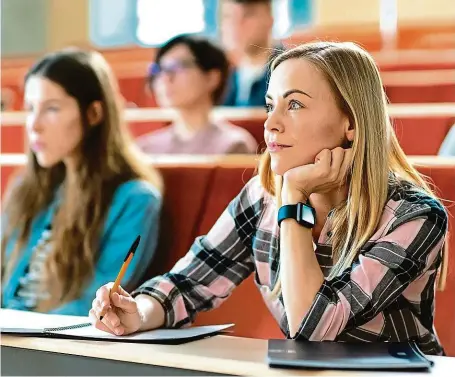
(73,327)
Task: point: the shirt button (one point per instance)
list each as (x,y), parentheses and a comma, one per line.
(329,233)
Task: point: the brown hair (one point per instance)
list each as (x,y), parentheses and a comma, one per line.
(108,158)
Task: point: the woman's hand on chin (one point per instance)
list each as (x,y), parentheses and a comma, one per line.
(327,173)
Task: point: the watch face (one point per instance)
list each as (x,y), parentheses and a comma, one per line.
(306,215)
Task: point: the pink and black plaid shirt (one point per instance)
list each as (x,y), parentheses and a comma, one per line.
(387,295)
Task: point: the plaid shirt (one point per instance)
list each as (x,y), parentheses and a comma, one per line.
(386,296)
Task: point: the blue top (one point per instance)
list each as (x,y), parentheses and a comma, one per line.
(256,96)
(134,211)
(447,148)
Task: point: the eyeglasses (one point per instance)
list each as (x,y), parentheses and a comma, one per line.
(170,68)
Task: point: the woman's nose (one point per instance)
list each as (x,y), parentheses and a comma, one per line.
(169,74)
(33,122)
(273,123)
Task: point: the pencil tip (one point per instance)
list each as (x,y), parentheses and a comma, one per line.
(136,242)
(133,248)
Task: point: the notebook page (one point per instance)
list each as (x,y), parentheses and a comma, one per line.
(30,320)
(15,321)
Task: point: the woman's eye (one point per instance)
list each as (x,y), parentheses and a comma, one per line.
(294,105)
(268,107)
(53,109)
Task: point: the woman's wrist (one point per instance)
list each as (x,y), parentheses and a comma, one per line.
(290,195)
(151,312)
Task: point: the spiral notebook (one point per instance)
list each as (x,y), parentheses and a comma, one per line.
(284,353)
(69,327)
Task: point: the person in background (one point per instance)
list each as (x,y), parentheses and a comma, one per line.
(189,75)
(343,235)
(84,196)
(247,36)
(447,148)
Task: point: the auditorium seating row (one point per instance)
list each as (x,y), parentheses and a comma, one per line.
(197,191)
(134,91)
(417,136)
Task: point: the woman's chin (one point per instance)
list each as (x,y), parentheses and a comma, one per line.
(46,162)
(278,167)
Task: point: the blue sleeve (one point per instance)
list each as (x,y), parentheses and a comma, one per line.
(230,94)
(134,211)
(448,145)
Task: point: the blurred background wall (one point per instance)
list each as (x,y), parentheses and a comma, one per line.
(31,27)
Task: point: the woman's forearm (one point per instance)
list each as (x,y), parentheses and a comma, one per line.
(151,311)
(301,276)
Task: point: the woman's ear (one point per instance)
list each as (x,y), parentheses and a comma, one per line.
(95,113)
(349,129)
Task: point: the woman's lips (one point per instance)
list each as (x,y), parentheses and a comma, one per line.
(276,147)
(37,146)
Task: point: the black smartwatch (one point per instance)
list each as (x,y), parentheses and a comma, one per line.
(303,213)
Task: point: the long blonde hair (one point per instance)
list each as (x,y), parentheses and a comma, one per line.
(108,158)
(356,82)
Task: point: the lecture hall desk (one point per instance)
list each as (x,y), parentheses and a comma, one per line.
(219,355)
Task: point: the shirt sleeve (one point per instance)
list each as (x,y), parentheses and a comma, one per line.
(245,146)
(447,148)
(213,267)
(134,211)
(378,277)
(239,148)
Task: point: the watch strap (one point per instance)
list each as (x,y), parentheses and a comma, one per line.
(287,212)
(297,212)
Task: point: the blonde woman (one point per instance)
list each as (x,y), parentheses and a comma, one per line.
(344,237)
(84,195)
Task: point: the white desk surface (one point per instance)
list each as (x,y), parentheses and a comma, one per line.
(219,354)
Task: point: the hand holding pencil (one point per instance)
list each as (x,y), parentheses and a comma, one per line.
(125,265)
(116,312)
(113,309)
